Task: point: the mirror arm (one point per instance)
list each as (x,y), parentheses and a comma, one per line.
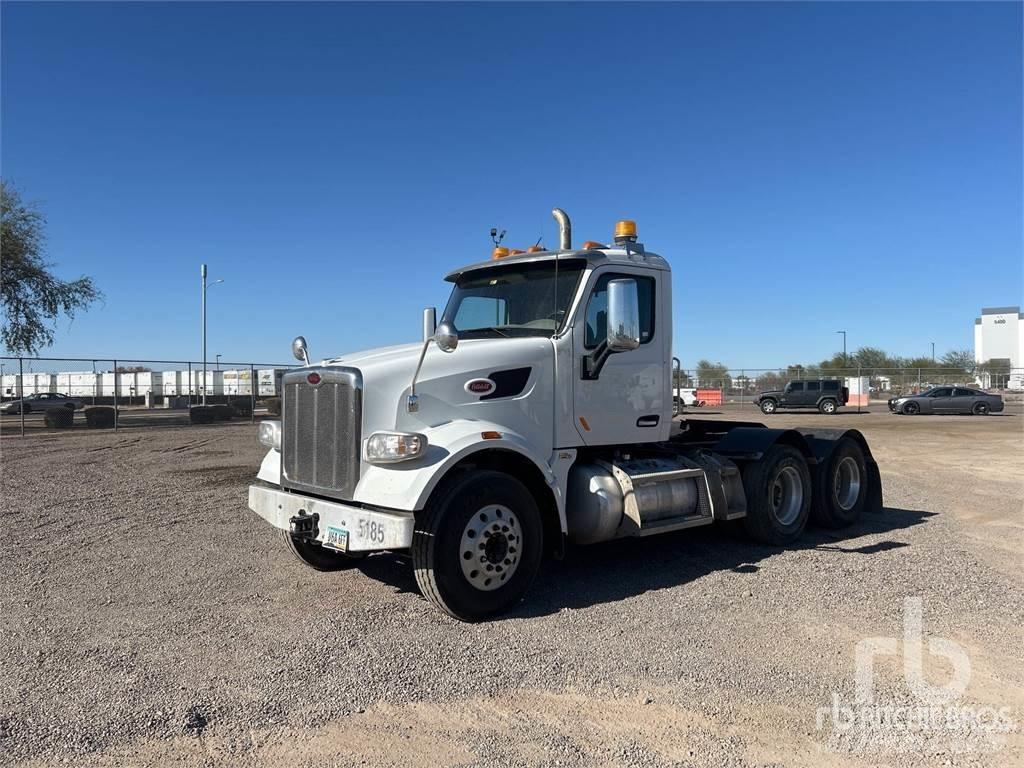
(592,364)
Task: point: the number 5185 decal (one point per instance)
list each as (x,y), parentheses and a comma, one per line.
(371,530)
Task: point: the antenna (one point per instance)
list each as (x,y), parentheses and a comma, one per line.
(495,237)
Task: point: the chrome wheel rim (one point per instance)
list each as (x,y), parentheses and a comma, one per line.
(829,407)
(786,495)
(768,407)
(847,483)
(489,551)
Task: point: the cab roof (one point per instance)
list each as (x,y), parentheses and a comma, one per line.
(594,257)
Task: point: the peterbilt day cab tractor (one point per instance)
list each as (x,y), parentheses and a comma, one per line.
(537,412)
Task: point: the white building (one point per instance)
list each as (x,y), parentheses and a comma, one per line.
(999,335)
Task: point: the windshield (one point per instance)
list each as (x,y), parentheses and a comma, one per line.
(526,300)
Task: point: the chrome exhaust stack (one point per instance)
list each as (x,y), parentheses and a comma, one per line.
(564,229)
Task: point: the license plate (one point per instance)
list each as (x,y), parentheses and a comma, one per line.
(336,538)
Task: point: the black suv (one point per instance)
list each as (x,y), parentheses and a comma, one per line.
(825,394)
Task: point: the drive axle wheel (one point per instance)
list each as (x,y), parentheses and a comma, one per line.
(980,409)
(477,546)
(778,490)
(768,407)
(911,408)
(841,488)
(320,558)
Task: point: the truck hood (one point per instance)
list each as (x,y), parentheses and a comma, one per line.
(441,387)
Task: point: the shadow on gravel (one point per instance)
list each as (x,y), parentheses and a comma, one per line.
(607,573)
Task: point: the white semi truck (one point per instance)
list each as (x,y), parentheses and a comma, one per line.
(538,411)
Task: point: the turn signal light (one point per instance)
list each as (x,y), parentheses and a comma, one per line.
(499,253)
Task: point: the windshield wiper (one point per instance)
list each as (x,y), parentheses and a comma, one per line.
(495,329)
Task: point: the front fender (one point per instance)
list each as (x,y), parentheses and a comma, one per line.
(408,485)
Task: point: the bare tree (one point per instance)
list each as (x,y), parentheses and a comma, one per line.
(32,297)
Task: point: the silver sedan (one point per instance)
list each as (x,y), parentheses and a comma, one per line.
(948,400)
(42,401)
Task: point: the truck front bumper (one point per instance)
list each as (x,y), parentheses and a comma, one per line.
(340,526)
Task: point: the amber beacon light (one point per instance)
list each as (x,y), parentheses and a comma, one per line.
(625,231)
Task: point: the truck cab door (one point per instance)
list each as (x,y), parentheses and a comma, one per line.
(629,398)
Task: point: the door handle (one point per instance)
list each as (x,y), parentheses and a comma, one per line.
(648,421)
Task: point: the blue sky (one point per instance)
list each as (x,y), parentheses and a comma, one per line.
(805,167)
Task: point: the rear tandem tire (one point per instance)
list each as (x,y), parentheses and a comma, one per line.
(841,486)
(477,546)
(320,558)
(778,490)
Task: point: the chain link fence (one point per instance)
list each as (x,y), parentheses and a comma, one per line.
(38,392)
(739,385)
(144,393)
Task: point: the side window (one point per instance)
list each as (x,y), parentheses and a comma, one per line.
(830,386)
(944,392)
(813,386)
(795,386)
(597,310)
(962,393)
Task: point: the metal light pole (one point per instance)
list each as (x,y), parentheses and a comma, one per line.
(933,351)
(218,362)
(844,346)
(202,272)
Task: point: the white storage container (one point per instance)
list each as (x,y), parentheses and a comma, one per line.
(170,383)
(85,384)
(10,385)
(238,382)
(269,381)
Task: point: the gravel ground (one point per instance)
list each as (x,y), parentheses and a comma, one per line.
(149,618)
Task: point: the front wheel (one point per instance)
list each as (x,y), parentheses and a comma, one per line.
(768,407)
(828,407)
(911,409)
(980,409)
(778,489)
(477,547)
(320,558)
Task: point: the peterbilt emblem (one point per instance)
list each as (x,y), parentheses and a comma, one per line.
(313,378)
(480,386)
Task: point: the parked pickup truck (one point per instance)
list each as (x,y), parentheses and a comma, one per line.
(826,395)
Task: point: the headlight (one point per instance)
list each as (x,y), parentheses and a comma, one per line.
(389,447)
(270,434)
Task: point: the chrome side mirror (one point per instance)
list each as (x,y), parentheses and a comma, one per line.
(447,337)
(299,349)
(429,322)
(623,315)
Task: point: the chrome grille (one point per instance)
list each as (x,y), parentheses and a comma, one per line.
(320,431)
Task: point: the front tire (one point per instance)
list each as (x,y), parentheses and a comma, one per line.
(477,547)
(320,558)
(778,490)
(980,409)
(911,409)
(828,407)
(768,407)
